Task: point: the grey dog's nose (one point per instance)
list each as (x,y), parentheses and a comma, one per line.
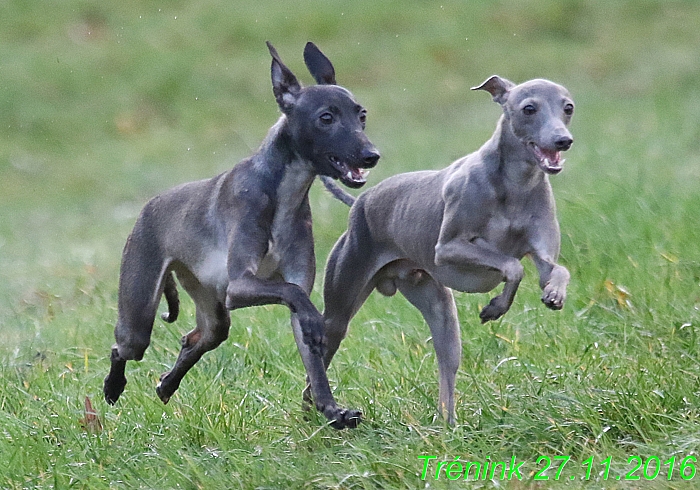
(563,144)
(370,158)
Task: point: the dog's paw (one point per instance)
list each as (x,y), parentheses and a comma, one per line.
(164,397)
(553,298)
(344,418)
(113,388)
(493,310)
(166,387)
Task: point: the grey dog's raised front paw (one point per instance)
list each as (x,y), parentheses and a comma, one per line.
(553,298)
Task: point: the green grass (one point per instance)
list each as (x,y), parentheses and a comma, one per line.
(103,105)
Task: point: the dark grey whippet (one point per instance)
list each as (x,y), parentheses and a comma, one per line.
(244,238)
(465,227)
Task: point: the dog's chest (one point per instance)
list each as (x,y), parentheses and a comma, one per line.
(290,203)
(291,210)
(507,230)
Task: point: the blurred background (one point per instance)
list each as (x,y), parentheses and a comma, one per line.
(105,104)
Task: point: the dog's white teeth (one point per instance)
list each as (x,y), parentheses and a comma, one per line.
(349,175)
(364,173)
(548,163)
(561,162)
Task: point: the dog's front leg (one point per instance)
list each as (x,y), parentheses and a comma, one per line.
(318,390)
(477,252)
(553,280)
(248,243)
(249,290)
(544,251)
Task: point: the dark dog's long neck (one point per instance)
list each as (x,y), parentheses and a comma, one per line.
(276,161)
(514,160)
(287,176)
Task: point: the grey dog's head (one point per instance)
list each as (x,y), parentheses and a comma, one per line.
(325,122)
(539,113)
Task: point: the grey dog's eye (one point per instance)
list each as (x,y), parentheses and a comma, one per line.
(326,118)
(568,109)
(529,110)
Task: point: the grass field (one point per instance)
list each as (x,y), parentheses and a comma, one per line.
(103,105)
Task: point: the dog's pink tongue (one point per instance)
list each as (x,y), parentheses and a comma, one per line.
(552,155)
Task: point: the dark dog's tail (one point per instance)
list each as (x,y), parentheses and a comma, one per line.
(337,192)
(172,298)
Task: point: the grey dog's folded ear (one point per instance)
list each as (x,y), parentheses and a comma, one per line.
(319,65)
(498,88)
(285,85)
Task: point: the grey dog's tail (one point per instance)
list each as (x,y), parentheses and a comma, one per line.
(337,192)
(172,298)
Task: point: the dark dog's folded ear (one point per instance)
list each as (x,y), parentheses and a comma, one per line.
(320,67)
(285,85)
(498,88)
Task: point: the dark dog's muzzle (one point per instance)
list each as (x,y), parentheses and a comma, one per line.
(370,158)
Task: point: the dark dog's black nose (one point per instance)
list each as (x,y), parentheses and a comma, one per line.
(370,158)
(563,144)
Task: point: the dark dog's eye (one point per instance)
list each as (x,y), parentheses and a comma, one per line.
(363,117)
(529,110)
(326,118)
(568,109)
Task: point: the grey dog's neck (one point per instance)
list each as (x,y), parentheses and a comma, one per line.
(274,151)
(511,157)
(276,161)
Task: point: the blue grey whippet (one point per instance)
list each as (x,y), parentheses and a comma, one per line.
(465,227)
(244,238)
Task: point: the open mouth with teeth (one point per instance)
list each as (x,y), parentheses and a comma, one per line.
(550,161)
(353,177)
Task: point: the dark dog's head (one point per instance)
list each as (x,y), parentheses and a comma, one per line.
(325,121)
(538,113)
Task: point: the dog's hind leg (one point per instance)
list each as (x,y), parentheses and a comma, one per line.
(337,320)
(347,285)
(437,305)
(140,289)
(350,278)
(213,322)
